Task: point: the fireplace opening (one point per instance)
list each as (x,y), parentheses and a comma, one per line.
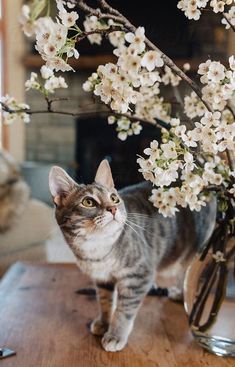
(96,140)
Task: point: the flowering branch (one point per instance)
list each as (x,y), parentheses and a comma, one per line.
(116,15)
(103,32)
(187,163)
(224,17)
(228,21)
(159,123)
(128,25)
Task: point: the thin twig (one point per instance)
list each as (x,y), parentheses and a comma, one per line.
(107,7)
(159,123)
(89,10)
(230,109)
(229,22)
(103,32)
(230,157)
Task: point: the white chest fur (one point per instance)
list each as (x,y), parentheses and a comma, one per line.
(95,256)
(101,271)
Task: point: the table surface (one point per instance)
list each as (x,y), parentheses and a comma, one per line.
(45,322)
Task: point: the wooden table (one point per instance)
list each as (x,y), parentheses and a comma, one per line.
(44,321)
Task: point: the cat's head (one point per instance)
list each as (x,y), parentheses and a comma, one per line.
(87,210)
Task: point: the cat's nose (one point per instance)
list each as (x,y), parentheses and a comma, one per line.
(112,209)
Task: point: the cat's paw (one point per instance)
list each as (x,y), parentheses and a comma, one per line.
(113,343)
(175,294)
(98,327)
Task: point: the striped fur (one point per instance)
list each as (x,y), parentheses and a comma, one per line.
(123,252)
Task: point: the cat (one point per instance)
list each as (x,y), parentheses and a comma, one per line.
(14,192)
(120,240)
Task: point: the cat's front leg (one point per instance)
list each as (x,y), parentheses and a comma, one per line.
(129,299)
(105,298)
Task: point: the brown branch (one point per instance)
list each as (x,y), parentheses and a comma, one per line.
(89,10)
(230,109)
(229,22)
(104,5)
(230,156)
(159,123)
(231,162)
(103,32)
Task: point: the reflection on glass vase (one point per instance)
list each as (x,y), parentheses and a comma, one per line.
(209,291)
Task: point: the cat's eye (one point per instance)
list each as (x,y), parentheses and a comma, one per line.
(89,202)
(115,199)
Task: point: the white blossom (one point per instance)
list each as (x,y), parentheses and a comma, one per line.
(189,162)
(193,106)
(54,83)
(219,257)
(230,15)
(168,150)
(192,9)
(186,66)
(58,64)
(111,120)
(68,19)
(92,23)
(153,151)
(137,39)
(46,72)
(232,190)
(170,78)
(32,82)
(152,59)
(18,108)
(211,118)
(136,128)
(232,62)
(216,72)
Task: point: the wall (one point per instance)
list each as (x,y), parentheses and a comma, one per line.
(14,73)
(51,137)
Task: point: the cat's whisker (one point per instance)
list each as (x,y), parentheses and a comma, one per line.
(134,219)
(134,224)
(134,230)
(138,214)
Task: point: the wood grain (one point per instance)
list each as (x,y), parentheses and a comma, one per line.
(83,63)
(91,62)
(44,321)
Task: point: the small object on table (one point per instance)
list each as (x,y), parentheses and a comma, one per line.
(159,292)
(86,291)
(6,352)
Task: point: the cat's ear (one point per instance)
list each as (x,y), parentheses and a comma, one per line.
(60,183)
(104,175)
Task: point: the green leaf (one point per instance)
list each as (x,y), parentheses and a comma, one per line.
(37,8)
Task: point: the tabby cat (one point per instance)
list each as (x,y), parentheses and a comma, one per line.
(120,240)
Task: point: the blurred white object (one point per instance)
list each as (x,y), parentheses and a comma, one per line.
(26,239)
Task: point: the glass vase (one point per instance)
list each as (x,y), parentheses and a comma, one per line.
(209,294)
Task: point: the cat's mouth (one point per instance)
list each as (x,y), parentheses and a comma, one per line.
(104,223)
(111,221)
